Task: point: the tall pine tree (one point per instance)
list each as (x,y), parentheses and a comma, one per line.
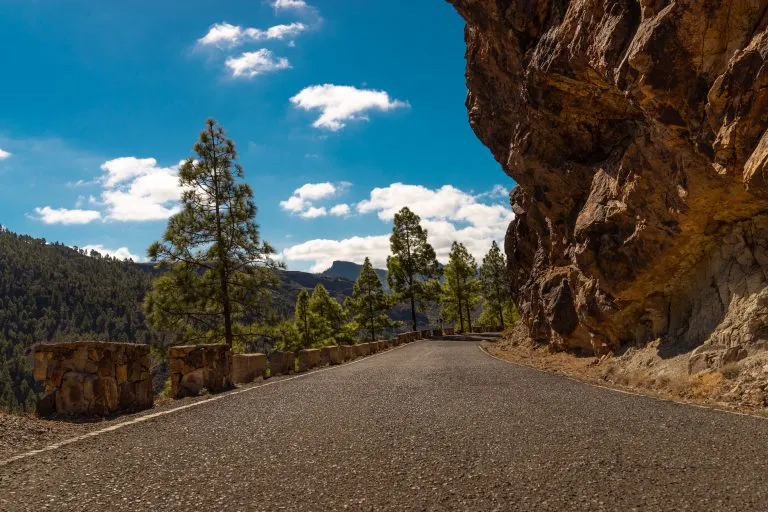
(218,268)
(303,319)
(460,288)
(369,303)
(495,286)
(413,262)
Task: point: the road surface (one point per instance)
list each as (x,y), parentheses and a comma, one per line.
(435,425)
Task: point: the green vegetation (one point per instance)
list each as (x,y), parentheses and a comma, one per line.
(51,292)
(218,269)
(412,268)
(461,289)
(215,281)
(495,288)
(369,303)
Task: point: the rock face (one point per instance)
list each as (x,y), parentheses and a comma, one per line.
(92,378)
(636,131)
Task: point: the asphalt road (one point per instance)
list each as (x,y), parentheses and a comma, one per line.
(435,425)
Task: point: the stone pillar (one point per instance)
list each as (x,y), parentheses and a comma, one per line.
(248,367)
(194,368)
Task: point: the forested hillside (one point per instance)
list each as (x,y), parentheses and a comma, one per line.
(51,292)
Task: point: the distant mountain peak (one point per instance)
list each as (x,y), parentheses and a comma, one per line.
(350,270)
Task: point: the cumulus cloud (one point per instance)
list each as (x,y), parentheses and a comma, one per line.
(132,190)
(448,214)
(4,154)
(250,64)
(137,189)
(121,253)
(50,215)
(340,104)
(340,210)
(314,212)
(227,35)
(323,252)
(297,5)
(302,199)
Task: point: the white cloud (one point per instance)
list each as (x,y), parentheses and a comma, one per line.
(340,104)
(227,35)
(250,64)
(122,253)
(137,189)
(50,215)
(497,192)
(444,202)
(324,252)
(448,214)
(298,5)
(314,212)
(340,210)
(4,154)
(302,199)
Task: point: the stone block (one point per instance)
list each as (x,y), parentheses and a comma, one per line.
(331,355)
(281,363)
(308,359)
(248,367)
(197,367)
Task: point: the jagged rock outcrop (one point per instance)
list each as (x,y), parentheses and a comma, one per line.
(636,131)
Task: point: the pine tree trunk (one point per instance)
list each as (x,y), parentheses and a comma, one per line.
(373,322)
(223,274)
(413,312)
(461,313)
(469,317)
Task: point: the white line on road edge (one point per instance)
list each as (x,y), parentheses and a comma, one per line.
(214,398)
(623,391)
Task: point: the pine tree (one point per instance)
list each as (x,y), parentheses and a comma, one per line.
(460,292)
(413,262)
(329,316)
(218,268)
(303,319)
(495,286)
(369,303)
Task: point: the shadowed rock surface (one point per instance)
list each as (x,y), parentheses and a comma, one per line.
(636,131)
(435,425)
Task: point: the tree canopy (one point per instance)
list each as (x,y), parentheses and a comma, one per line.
(460,292)
(369,304)
(494,283)
(217,267)
(413,262)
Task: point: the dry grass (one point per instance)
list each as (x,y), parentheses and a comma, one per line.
(706,387)
(731,370)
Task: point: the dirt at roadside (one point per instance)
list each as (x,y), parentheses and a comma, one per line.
(742,386)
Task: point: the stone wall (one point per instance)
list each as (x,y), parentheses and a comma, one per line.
(197,367)
(281,363)
(308,359)
(248,367)
(93,378)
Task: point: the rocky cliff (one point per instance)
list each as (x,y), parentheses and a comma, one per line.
(636,131)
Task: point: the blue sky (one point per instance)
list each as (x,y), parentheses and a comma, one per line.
(342,112)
